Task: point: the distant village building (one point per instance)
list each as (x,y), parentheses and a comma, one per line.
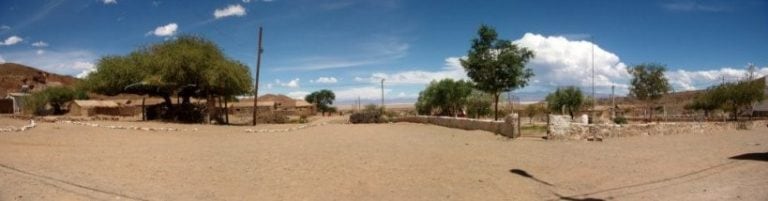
(92,107)
(17,100)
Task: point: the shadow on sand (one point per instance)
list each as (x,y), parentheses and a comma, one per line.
(752,156)
(523,173)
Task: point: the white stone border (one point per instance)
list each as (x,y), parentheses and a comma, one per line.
(126,127)
(31,125)
(285,129)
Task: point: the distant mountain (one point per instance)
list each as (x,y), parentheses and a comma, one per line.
(13,77)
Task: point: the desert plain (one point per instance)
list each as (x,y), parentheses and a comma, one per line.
(399,161)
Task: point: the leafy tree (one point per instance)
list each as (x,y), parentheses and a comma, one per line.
(188,66)
(322,99)
(532,110)
(708,101)
(739,97)
(372,108)
(479,104)
(446,96)
(648,84)
(571,98)
(56,97)
(733,97)
(496,65)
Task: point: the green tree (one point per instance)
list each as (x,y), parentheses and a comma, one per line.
(447,97)
(708,101)
(56,97)
(739,97)
(648,84)
(479,104)
(532,110)
(569,98)
(322,100)
(188,66)
(496,65)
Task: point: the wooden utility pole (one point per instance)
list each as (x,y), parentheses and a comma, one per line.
(256,86)
(382,95)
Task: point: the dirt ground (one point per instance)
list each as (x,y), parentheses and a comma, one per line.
(403,161)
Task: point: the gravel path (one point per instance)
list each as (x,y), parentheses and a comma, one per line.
(400,161)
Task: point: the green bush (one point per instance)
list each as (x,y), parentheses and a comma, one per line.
(56,97)
(366,118)
(620,120)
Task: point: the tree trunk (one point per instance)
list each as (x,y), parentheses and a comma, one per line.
(226,111)
(143,109)
(496,106)
(210,107)
(56,108)
(168,102)
(650,112)
(185,100)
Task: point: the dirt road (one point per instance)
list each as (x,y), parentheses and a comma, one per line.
(403,161)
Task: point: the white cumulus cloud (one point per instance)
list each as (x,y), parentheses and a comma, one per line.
(693,80)
(110,1)
(40,52)
(231,10)
(5,27)
(561,62)
(452,69)
(86,67)
(365,93)
(40,44)
(298,94)
(325,80)
(290,84)
(12,40)
(165,30)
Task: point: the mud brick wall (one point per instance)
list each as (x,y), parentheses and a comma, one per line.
(505,128)
(562,128)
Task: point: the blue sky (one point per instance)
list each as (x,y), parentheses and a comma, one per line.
(348,46)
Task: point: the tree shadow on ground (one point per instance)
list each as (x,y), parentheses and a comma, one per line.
(752,156)
(525,174)
(578,199)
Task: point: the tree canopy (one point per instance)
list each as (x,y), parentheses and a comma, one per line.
(322,100)
(569,98)
(734,97)
(445,97)
(188,66)
(648,83)
(496,65)
(56,97)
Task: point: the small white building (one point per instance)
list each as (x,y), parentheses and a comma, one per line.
(18,101)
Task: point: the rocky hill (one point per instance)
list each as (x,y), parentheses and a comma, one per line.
(14,76)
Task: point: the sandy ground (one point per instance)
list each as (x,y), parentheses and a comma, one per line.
(403,161)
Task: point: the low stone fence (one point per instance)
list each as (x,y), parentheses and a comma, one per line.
(505,128)
(562,128)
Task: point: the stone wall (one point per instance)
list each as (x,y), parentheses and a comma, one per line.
(562,128)
(505,128)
